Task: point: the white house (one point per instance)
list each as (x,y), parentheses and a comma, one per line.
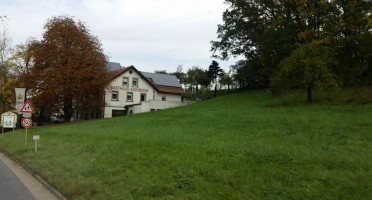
(132,91)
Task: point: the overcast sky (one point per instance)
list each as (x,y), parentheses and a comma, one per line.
(149,34)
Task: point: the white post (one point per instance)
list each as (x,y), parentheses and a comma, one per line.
(26,138)
(35,146)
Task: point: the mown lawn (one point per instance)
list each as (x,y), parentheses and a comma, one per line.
(241,146)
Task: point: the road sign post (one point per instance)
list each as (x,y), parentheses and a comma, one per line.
(26,123)
(27,108)
(36,138)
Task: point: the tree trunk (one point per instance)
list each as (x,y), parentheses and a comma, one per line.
(40,117)
(309,97)
(215,90)
(67,109)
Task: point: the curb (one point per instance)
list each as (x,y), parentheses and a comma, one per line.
(53,191)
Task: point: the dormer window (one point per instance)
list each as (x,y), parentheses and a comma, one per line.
(125,81)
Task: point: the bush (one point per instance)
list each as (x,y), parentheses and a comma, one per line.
(361,95)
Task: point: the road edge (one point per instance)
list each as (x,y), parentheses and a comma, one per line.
(47,186)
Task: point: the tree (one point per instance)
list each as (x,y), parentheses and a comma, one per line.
(351,30)
(22,58)
(4,47)
(69,69)
(214,71)
(242,74)
(246,74)
(226,79)
(5,76)
(267,32)
(181,76)
(203,79)
(197,76)
(161,71)
(261,31)
(309,67)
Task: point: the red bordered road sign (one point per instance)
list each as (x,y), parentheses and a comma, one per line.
(27,108)
(26,122)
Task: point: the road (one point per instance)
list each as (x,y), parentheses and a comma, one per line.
(17,184)
(11,187)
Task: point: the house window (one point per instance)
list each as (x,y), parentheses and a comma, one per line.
(135,82)
(114,96)
(129,96)
(163,98)
(143,97)
(125,81)
(116,113)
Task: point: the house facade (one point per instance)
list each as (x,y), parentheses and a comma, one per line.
(131,91)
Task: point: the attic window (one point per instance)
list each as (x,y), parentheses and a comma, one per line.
(135,82)
(130,72)
(125,81)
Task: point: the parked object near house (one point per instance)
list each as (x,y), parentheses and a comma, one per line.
(57,118)
(131,91)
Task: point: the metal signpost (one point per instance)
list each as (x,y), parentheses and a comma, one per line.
(26,123)
(36,138)
(26,110)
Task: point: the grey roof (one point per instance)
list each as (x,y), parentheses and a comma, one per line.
(113,66)
(163,79)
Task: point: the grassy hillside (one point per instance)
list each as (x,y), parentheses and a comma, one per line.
(242,146)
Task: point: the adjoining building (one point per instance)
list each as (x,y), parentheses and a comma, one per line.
(131,91)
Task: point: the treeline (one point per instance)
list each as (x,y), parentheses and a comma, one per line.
(199,82)
(304,44)
(5,66)
(64,72)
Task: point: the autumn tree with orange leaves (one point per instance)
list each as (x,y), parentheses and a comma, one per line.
(69,69)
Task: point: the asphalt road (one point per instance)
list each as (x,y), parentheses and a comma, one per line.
(11,187)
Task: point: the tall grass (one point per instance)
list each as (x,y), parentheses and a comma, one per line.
(241,146)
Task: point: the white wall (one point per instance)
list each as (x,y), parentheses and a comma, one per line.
(169,97)
(158,105)
(153,98)
(117,85)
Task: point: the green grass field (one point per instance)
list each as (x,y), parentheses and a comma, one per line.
(241,146)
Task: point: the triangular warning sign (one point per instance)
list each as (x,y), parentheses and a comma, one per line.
(27,108)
